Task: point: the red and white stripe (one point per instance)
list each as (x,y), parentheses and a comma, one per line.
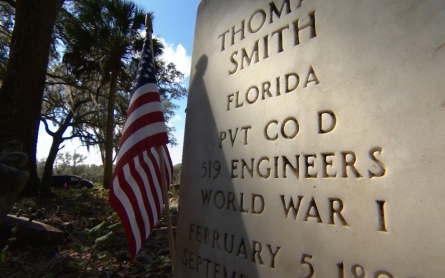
(136,191)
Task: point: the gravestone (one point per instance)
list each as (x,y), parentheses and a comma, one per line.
(315,140)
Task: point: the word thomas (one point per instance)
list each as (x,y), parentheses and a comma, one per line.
(254,24)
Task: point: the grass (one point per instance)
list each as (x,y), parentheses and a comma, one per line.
(93,248)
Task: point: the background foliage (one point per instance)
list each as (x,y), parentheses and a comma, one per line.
(93,57)
(93,62)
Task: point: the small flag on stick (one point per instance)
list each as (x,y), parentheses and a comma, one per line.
(136,191)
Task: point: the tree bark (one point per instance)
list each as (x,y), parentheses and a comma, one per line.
(49,163)
(22,90)
(109,136)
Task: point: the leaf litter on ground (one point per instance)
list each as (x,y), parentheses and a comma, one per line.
(95,246)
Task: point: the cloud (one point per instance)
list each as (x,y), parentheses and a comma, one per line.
(178,56)
(176,118)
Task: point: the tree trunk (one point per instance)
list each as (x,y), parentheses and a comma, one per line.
(49,163)
(22,90)
(109,136)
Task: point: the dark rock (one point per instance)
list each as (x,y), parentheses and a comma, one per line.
(33,233)
(11,146)
(14,159)
(12,182)
(12,175)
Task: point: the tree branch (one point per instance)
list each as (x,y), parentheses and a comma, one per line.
(5,32)
(63,80)
(47,127)
(80,102)
(70,137)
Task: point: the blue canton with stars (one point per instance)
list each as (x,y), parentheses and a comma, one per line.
(146,72)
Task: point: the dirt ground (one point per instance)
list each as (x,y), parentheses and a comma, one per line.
(86,252)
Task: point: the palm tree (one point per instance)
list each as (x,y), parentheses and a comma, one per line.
(102,36)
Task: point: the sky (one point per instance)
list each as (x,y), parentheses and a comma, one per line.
(174,24)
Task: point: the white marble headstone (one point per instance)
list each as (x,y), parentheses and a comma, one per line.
(315,140)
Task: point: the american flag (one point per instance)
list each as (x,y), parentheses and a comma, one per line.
(136,191)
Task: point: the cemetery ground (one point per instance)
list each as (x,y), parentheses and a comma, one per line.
(95,244)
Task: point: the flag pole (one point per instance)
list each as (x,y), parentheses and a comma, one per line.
(171,243)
